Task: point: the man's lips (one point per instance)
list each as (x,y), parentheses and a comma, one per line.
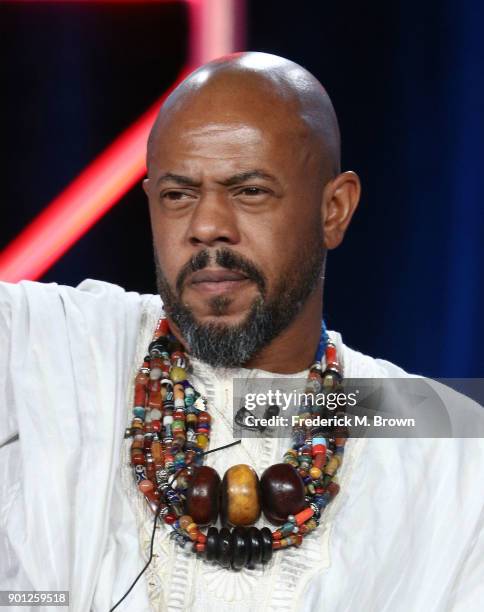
(216,276)
(216,281)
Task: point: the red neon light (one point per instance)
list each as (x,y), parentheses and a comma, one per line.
(81,204)
(120,166)
(86,1)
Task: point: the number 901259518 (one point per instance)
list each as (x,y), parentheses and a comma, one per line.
(34,598)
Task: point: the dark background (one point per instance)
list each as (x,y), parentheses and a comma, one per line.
(406,79)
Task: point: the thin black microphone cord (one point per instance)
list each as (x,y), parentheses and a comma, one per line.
(157,514)
(152,543)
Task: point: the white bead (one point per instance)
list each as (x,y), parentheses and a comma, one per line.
(200,404)
(155,373)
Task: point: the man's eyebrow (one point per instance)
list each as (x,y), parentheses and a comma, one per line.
(178,179)
(247,176)
(236,179)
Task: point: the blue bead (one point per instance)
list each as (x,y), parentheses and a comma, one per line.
(320,501)
(319,440)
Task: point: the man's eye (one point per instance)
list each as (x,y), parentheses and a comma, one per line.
(174,195)
(252,191)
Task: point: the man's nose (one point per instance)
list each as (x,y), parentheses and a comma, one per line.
(213,220)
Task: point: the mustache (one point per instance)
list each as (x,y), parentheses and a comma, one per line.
(225,258)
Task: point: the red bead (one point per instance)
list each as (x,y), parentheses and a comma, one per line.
(139,395)
(138,459)
(153,495)
(170,519)
(199,547)
(331,356)
(145,486)
(156,425)
(318,448)
(282,492)
(155,399)
(319,460)
(163,328)
(151,470)
(303,516)
(141,379)
(333,489)
(202,497)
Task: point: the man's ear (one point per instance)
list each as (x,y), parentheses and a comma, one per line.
(340,199)
(146,186)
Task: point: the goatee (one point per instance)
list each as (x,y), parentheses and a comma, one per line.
(223,345)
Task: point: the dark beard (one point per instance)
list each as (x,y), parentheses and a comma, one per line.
(222,345)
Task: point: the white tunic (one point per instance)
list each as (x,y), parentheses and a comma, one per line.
(405,533)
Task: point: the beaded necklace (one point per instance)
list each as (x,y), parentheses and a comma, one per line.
(171,432)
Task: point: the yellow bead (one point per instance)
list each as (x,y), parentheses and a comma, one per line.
(332,465)
(240,496)
(185,521)
(315,473)
(178,374)
(202,441)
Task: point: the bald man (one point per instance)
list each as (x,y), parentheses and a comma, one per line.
(246,196)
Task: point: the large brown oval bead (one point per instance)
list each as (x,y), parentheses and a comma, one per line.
(240,496)
(202,498)
(282,492)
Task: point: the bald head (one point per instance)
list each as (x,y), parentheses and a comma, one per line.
(257,88)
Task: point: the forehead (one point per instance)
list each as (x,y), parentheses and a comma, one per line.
(228,142)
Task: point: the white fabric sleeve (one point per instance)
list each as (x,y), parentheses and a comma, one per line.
(66,354)
(13,316)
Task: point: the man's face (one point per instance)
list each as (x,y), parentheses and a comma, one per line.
(236,218)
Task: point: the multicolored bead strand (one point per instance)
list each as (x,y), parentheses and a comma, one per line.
(170,431)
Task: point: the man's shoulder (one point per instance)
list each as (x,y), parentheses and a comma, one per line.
(89,291)
(92,305)
(459,400)
(358,365)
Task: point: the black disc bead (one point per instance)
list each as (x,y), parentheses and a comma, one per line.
(266,535)
(255,547)
(223,550)
(239,548)
(211,545)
